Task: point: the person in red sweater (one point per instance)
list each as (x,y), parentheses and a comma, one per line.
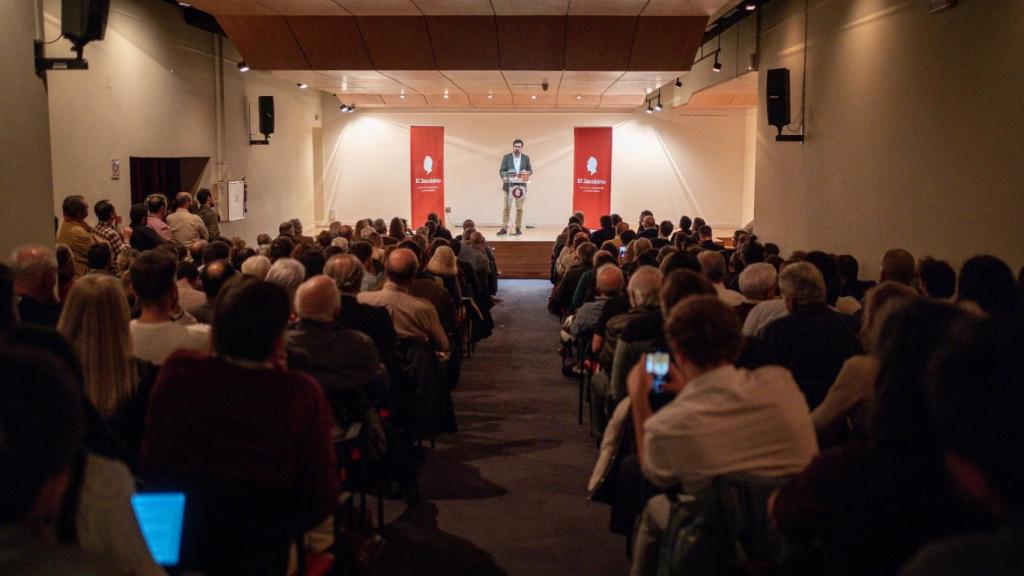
(239,416)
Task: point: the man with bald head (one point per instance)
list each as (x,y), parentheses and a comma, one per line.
(609,283)
(186,227)
(412,317)
(342,360)
(35,283)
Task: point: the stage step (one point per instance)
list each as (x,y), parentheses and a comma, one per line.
(523,258)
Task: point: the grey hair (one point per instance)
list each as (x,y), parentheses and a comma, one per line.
(34,269)
(757,279)
(348,278)
(287,273)
(256,266)
(644,285)
(608,280)
(341,243)
(802,283)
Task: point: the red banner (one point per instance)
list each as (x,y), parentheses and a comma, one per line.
(592,173)
(426,172)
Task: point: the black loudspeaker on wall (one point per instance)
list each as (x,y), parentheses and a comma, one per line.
(82,21)
(266,115)
(777,97)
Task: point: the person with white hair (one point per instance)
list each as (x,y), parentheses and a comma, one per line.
(342,360)
(287,273)
(257,266)
(340,243)
(814,340)
(35,284)
(757,284)
(347,273)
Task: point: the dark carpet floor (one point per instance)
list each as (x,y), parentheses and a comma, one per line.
(507,493)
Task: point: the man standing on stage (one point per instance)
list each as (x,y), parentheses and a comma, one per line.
(512,165)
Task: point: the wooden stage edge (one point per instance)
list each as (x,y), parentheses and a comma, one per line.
(519,259)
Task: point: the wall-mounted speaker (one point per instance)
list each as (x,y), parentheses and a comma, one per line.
(82,21)
(777,97)
(266,115)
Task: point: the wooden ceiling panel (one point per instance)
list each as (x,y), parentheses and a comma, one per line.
(598,42)
(305,7)
(464,42)
(478,81)
(424,81)
(667,43)
(454,100)
(330,43)
(368,100)
(531,42)
(531,8)
(684,7)
(496,100)
(266,42)
(530,81)
(631,87)
(606,7)
(528,101)
(232,7)
(455,7)
(380,7)
(410,101)
(619,101)
(569,100)
(397,42)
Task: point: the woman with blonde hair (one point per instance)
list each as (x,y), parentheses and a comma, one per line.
(845,405)
(443,265)
(95,321)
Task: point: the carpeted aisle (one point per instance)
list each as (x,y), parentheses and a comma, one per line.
(507,494)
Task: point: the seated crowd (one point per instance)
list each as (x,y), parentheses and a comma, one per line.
(163,356)
(810,422)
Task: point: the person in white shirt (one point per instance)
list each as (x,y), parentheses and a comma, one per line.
(712,263)
(154,333)
(723,420)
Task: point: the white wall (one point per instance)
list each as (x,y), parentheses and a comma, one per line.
(150,91)
(25,139)
(672,165)
(915,131)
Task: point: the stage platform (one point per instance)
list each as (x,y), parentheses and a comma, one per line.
(526,256)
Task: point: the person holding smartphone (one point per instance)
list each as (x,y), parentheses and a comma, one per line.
(723,420)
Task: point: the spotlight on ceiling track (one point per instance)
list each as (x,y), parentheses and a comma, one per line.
(679,83)
(302,85)
(718,65)
(649,109)
(243,67)
(344,107)
(750,6)
(658,106)
(351,108)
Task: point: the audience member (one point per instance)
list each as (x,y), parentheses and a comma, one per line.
(155,335)
(287,273)
(849,284)
(156,206)
(99,258)
(412,317)
(609,283)
(65,270)
(561,298)
(723,419)
(257,267)
(976,396)
(757,284)
(891,495)
(186,227)
(712,263)
(107,229)
(187,279)
(846,405)
(988,282)
(707,240)
(215,274)
(605,233)
(813,340)
(240,417)
(347,273)
(297,232)
(206,212)
(937,279)
(75,233)
(281,247)
(35,284)
(898,266)
(143,236)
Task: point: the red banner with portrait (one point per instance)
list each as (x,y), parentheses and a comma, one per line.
(592,173)
(426,172)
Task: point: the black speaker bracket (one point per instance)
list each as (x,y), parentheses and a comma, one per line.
(43,63)
(789,138)
(265,141)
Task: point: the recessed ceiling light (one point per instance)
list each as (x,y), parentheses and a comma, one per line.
(533,97)
(446,96)
(401,96)
(490,96)
(578,97)
(303,85)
